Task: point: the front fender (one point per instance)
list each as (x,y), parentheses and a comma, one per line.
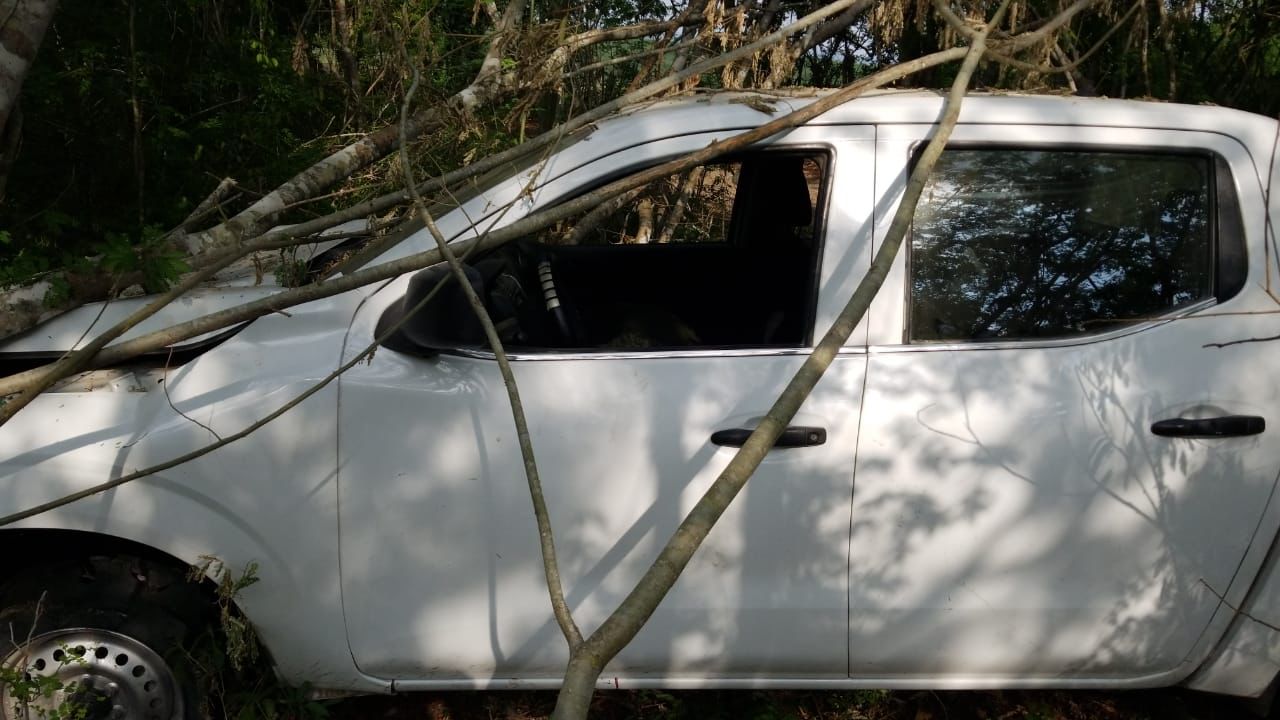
(269,498)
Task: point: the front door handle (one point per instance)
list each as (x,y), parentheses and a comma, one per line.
(1226,426)
(794,436)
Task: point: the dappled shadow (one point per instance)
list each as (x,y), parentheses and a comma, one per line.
(989,516)
(1014,515)
(622,447)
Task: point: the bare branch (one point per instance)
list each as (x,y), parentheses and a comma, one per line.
(546,539)
(164,384)
(1229,343)
(160,339)
(676,212)
(556,134)
(589,222)
(34,382)
(340,165)
(1237,610)
(209,205)
(623,624)
(596,36)
(835,25)
(630,58)
(224,441)
(1028,39)
(960,26)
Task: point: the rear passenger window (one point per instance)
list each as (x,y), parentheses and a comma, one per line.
(1013,244)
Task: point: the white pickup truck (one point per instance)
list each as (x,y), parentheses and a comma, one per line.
(1042,460)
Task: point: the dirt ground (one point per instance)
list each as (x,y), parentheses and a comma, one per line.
(807,705)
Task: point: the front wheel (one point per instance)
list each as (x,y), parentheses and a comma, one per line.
(100,637)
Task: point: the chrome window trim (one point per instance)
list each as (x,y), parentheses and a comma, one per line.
(1134,327)
(1216,162)
(518,356)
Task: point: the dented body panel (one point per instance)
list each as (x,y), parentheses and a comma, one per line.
(396,546)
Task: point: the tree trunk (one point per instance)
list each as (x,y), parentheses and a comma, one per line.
(20,37)
(345,44)
(676,212)
(21,307)
(644,216)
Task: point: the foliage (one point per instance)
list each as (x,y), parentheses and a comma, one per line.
(241,642)
(211,96)
(149,256)
(134,109)
(228,666)
(25,689)
(225,664)
(120,74)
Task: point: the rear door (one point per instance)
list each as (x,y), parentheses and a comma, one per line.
(1037,496)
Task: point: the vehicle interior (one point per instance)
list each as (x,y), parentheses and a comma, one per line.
(722,256)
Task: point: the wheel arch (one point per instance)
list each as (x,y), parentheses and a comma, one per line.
(41,545)
(44,546)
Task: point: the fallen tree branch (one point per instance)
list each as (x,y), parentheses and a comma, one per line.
(1229,343)
(489,83)
(210,204)
(356,156)
(587,662)
(227,440)
(27,306)
(961,27)
(386,271)
(629,58)
(565,129)
(546,538)
(1237,610)
(155,341)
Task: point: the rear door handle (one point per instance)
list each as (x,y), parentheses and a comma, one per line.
(794,436)
(1226,426)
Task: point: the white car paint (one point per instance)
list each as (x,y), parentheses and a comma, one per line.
(77,326)
(392,503)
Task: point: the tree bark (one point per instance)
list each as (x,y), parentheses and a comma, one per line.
(588,661)
(21,33)
(22,308)
(675,213)
(32,382)
(644,220)
(257,218)
(345,42)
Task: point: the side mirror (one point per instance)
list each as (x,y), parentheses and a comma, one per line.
(444,322)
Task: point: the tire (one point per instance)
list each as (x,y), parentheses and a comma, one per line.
(112,629)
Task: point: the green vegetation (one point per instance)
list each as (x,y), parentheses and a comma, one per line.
(23,691)
(227,666)
(134,110)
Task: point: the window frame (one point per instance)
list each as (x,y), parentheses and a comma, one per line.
(827,151)
(1229,259)
(828,156)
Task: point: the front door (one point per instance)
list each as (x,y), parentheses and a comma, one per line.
(687,312)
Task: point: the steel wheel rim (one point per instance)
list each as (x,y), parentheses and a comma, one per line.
(112,676)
